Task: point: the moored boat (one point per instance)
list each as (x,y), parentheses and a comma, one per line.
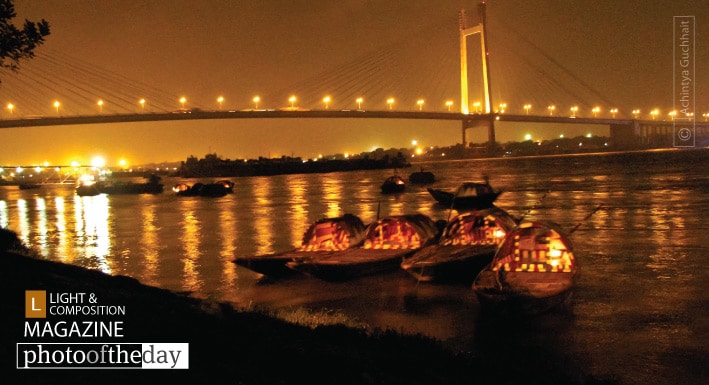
(422,177)
(533,271)
(393,184)
(323,237)
(386,243)
(215,189)
(87,189)
(153,186)
(468,196)
(466,245)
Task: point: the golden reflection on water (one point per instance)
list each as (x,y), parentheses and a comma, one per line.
(332,194)
(366,209)
(92,215)
(150,242)
(60,226)
(227,227)
(4,220)
(41,207)
(191,233)
(263,222)
(298,213)
(23,221)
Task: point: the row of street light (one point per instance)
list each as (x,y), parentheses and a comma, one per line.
(477,107)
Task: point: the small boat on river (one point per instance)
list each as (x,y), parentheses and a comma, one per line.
(216,189)
(323,237)
(467,244)
(393,184)
(153,186)
(386,243)
(468,196)
(87,189)
(422,177)
(533,271)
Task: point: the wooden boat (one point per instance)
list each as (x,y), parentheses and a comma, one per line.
(216,189)
(533,271)
(386,243)
(29,186)
(323,236)
(422,177)
(467,244)
(116,188)
(153,186)
(87,188)
(393,184)
(468,196)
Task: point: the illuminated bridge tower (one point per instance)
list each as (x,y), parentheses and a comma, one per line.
(486,120)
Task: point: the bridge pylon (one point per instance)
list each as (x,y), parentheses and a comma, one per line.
(466,31)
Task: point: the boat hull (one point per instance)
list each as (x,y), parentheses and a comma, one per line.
(131,188)
(522,293)
(352,263)
(449,263)
(448,199)
(272,265)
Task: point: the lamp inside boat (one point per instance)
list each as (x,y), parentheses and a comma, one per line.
(87,180)
(325,236)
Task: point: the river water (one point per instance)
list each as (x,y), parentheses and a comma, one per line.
(640,309)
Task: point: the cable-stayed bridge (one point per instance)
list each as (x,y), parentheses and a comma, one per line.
(528,85)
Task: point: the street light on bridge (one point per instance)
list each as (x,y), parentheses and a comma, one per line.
(573,111)
(420,104)
(672,115)
(100,106)
(10,107)
(292,100)
(390,102)
(142,105)
(56,105)
(654,113)
(502,107)
(613,112)
(220,100)
(327,100)
(476,105)
(706,116)
(449,103)
(256,99)
(551,109)
(359,103)
(527,107)
(595,111)
(183,100)
(636,112)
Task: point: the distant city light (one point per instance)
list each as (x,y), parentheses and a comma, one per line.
(98,162)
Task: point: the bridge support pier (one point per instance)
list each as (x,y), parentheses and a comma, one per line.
(484,122)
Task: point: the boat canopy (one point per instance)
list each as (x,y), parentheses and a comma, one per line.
(535,247)
(400,232)
(474,189)
(483,227)
(332,234)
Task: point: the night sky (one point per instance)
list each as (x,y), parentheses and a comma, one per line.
(612,54)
